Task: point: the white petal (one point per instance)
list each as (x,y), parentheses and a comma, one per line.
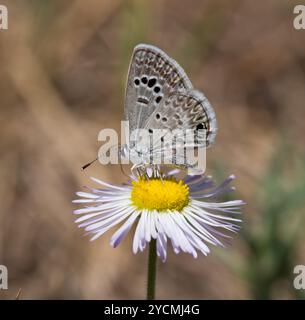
(119,235)
(199,210)
(136,238)
(161,247)
(179,233)
(153,218)
(108,221)
(201,230)
(147,226)
(83,201)
(107,184)
(192,234)
(161,241)
(109,226)
(87,195)
(103,207)
(232,203)
(100,217)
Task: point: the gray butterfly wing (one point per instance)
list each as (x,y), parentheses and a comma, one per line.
(188,113)
(188,110)
(153,76)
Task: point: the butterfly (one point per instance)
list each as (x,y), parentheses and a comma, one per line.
(159,95)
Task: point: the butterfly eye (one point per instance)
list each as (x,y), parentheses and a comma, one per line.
(158,116)
(152,82)
(164,119)
(136,81)
(157,89)
(144,80)
(158,99)
(150,131)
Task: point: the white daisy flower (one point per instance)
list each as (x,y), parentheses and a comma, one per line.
(164,208)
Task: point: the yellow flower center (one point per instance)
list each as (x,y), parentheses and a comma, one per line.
(160,195)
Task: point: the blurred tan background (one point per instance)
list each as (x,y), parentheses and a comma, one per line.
(63,67)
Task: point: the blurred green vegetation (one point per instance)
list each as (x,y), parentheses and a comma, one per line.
(273,227)
(272,242)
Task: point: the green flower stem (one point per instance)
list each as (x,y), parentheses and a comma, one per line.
(152,270)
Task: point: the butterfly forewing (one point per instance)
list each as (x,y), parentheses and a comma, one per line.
(152,77)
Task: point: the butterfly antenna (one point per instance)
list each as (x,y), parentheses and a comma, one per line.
(88,164)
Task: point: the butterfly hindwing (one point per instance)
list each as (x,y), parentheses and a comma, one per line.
(186,111)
